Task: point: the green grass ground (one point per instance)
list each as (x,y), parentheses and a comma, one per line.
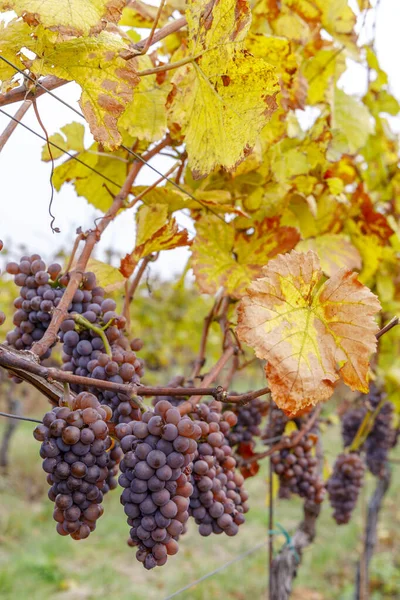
(37,564)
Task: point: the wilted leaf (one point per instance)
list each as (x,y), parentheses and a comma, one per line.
(334,251)
(311,333)
(107,81)
(155,232)
(108,277)
(221,101)
(224,257)
(68,17)
(73,140)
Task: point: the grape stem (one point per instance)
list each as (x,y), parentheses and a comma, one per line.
(22,364)
(392,323)
(92,238)
(80,319)
(365,427)
(130,290)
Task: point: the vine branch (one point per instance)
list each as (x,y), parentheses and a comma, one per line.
(9,130)
(25,366)
(50,336)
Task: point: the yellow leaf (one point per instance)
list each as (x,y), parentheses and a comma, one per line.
(94,188)
(155,232)
(107,80)
(289,427)
(337,16)
(107,276)
(334,251)
(326,470)
(320,70)
(275,489)
(311,333)
(145,116)
(13,37)
(68,17)
(224,257)
(231,93)
(73,140)
(351,122)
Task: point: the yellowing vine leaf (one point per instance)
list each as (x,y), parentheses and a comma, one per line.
(107,276)
(73,140)
(334,251)
(311,333)
(13,36)
(67,17)
(107,80)
(145,116)
(94,188)
(223,99)
(155,232)
(351,122)
(224,257)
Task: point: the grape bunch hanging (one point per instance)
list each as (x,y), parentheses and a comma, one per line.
(172,466)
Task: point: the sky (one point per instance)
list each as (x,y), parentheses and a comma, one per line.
(25,188)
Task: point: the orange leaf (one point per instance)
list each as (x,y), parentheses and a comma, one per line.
(311,332)
(155,232)
(370,221)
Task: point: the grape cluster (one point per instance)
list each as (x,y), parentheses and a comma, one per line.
(351,422)
(381,437)
(39,295)
(344,486)
(85,354)
(218,502)
(249,418)
(380,440)
(158,453)
(297,469)
(74,448)
(276,423)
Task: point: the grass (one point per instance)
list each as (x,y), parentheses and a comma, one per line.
(38,564)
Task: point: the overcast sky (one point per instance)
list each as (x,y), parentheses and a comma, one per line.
(25,189)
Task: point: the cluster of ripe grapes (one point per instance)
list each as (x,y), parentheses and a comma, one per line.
(344,485)
(347,478)
(297,469)
(74,448)
(247,428)
(219,501)
(171,466)
(158,454)
(94,344)
(382,435)
(277,421)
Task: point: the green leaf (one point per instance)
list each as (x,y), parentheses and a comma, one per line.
(351,122)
